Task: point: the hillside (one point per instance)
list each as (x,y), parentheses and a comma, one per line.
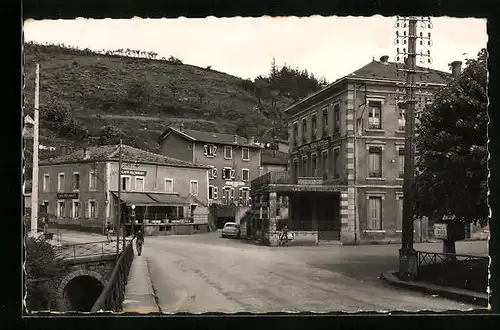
(140,96)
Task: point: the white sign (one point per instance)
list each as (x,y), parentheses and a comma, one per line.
(235,183)
(440,230)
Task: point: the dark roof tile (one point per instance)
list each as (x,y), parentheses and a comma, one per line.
(129,154)
(210,137)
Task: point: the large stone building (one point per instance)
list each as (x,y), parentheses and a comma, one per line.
(346,160)
(80,190)
(234,162)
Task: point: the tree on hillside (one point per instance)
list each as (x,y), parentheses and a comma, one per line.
(261,88)
(110,134)
(451,150)
(173,85)
(200,93)
(138,91)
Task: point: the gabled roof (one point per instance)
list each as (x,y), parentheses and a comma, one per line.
(273,157)
(209,137)
(110,152)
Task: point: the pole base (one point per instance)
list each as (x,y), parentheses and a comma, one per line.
(408,264)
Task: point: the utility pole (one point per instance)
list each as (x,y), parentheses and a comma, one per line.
(407,254)
(34,190)
(119,218)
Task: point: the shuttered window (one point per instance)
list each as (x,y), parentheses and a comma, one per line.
(374,213)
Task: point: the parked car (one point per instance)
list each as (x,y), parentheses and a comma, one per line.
(231,229)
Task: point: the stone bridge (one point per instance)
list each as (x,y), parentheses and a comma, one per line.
(86,270)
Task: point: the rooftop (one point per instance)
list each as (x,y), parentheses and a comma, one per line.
(210,137)
(110,152)
(273,157)
(383,71)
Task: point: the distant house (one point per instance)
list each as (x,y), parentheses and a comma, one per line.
(234,161)
(273,160)
(80,189)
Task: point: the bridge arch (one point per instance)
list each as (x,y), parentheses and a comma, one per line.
(79,289)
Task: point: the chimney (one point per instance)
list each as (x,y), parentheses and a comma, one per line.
(456,68)
(252,139)
(384,59)
(235,138)
(181,127)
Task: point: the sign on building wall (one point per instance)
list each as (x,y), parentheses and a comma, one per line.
(309,180)
(67,195)
(315,145)
(133,172)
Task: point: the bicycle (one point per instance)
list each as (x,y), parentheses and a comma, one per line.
(283,239)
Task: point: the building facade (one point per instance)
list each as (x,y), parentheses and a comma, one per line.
(234,161)
(80,189)
(346,159)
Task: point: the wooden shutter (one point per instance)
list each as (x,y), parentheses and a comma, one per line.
(214,150)
(215,192)
(205,149)
(214,172)
(375,212)
(399,224)
(233,172)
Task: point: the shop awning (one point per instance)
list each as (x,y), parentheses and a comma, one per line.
(136,198)
(168,199)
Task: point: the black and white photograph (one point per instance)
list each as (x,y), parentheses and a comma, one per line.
(267,164)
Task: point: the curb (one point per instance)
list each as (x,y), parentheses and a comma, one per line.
(465,296)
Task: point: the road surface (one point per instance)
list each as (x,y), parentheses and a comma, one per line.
(206,273)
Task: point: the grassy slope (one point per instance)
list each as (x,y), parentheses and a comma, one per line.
(94,87)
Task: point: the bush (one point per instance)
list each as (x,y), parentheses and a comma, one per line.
(41,270)
(110,134)
(56,114)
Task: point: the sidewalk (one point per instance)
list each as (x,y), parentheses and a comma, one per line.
(466,296)
(139,294)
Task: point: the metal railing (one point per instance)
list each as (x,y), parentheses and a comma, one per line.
(113,294)
(468,272)
(71,251)
(163,218)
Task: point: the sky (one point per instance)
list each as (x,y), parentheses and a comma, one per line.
(329,47)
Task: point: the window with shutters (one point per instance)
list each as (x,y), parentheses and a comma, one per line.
(314,165)
(375,162)
(245,154)
(210,150)
(304,130)
(228,173)
(92,209)
(325,121)
(193,190)
(61,208)
(336,118)
(216,192)
(46,183)
(139,183)
(228,152)
(296,133)
(92,180)
(399,219)
(75,209)
(374,213)
(211,192)
(336,165)
(212,173)
(401,117)
(126,183)
(76,181)
(325,164)
(169,185)
(375,115)
(401,163)
(245,174)
(60,182)
(314,125)
(304,166)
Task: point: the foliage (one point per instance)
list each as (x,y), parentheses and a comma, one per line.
(40,269)
(110,134)
(138,92)
(174,60)
(451,149)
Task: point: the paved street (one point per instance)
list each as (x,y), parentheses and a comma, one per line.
(203,273)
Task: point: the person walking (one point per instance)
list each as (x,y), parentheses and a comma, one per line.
(139,241)
(109,231)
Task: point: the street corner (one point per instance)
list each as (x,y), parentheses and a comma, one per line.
(475,298)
